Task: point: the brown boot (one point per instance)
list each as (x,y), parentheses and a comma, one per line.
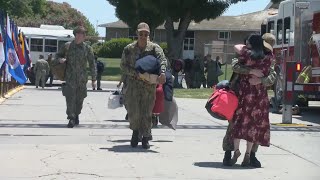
(235,156)
(246,160)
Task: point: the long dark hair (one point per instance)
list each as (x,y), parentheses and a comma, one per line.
(256,43)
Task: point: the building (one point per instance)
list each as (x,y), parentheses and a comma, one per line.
(208,36)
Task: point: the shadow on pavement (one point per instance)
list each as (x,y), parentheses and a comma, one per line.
(116,120)
(310,114)
(219,165)
(128,140)
(128,149)
(121,141)
(163,141)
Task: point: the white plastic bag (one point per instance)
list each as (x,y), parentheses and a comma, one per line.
(115,100)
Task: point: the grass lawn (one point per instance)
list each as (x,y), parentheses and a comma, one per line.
(193,93)
(227,70)
(112,73)
(112,69)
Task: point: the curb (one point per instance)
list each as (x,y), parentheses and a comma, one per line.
(291,125)
(11,93)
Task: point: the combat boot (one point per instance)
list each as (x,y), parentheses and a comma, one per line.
(135,138)
(77,120)
(71,122)
(145,143)
(254,162)
(227,158)
(155,121)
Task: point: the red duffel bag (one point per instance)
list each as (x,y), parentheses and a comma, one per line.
(222,104)
(159,103)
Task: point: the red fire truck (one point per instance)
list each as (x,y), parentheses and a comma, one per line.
(296,27)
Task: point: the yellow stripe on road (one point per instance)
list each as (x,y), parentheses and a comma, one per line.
(289,125)
(11,93)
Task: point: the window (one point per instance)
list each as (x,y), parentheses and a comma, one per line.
(189,34)
(132,34)
(279,31)
(36,45)
(287,30)
(188,43)
(51,45)
(270,27)
(224,35)
(61,44)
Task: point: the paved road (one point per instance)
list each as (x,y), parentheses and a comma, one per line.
(35,143)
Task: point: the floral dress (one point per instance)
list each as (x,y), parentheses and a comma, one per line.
(251,119)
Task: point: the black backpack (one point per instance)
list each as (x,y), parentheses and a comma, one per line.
(100,66)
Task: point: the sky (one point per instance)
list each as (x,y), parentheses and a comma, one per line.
(101,12)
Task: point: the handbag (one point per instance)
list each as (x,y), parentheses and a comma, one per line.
(115,100)
(219,71)
(59,70)
(222,104)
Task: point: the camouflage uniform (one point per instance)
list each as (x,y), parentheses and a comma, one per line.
(266,81)
(75,88)
(49,60)
(212,77)
(41,70)
(198,69)
(139,95)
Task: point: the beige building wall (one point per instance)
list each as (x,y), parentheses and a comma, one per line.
(201,38)
(116,33)
(206,37)
(160,36)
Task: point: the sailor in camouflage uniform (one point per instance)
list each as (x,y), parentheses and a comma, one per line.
(41,70)
(76,78)
(269,41)
(140,94)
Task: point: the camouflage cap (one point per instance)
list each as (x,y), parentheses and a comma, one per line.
(268,41)
(79,29)
(143,27)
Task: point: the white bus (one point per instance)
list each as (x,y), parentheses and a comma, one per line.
(46,39)
(43,41)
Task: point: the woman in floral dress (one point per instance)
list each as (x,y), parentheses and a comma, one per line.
(251,120)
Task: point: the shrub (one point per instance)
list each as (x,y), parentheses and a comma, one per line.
(164,46)
(114,47)
(96,47)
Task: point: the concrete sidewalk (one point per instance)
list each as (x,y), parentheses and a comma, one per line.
(35,143)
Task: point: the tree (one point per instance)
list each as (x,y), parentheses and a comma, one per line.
(16,8)
(53,13)
(33,13)
(276,1)
(170,12)
(133,12)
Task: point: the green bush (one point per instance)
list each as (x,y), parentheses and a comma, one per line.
(164,46)
(114,47)
(96,47)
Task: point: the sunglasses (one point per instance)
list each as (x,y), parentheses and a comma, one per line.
(143,34)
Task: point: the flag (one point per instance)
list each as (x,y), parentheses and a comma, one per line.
(16,43)
(12,58)
(21,40)
(2,56)
(26,54)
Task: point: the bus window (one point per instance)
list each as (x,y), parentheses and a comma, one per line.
(50,45)
(36,45)
(270,26)
(61,44)
(287,30)
(279,31)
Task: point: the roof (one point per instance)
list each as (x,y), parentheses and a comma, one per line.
(246,22)
(47,30)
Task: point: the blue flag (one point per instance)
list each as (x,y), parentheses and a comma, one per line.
(12,58)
